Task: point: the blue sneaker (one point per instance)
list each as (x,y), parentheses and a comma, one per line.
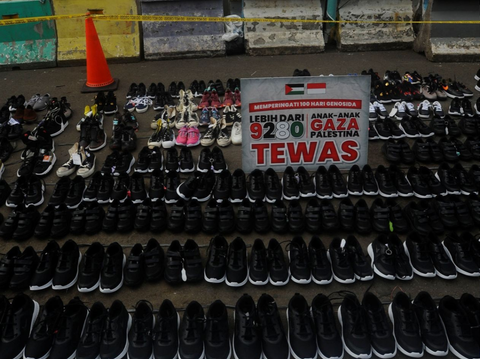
(205,117)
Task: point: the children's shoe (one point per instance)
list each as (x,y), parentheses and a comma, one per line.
(180,121)
(211,135)
(237,133)
(205,117)
(223,139)
(228,99)
(215,114)
(205,101)
(193,120)
(238,98)
(142,104)
(214,100)
(182,136)
(193,136)
(168,139)
(155,139)
(130,105)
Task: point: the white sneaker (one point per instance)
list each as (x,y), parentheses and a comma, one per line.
(381,110)
(223,139)
(400,110)
(410,109)
(438,110)
(424,109)
(237,133)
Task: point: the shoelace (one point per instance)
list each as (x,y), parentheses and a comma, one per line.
(216,333)
(249,327)
(270,323)
(192,324)
(93,332)
(301,257)
(144,100)
(377,324)
(141,331)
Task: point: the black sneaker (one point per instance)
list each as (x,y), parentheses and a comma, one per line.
(210,218)
(176,219)
(329,216)
(278,274)
(322,183)
(471,306)
(192,262)
(313,219)
(319,261)
(362,268)
(174,263)
(191,332)
(218,161)
(363,220)
(339,256)
(203,189)
(23,268)
(41,338)
(120,189)
(172,181)
(460,336)
(105,189)
(258,264)
(18,323)
(370,186)
(386,187)
(405,326)
(354,181)
(114,342)
(301,337)
(398,222)
(381,335)
(26,221)
(239,186)
(44,226)
(134,270)
(397,176)
(89,345)
(299,261)
(217,337)
(273,186)
(226,217)
(295,217)
(159,219)
(111,276)
(457,248)
(156,192)
(274,341)
(237,265)
(260,215)
(216,265)
(34,195)
(446,176)
(382,257)
(75,192)
(247,340)
(69,331)
(392,150)
(43,275)
(137,191)
(329,340)
(346,214)
(165,333)
(90,267)
(418,252)
(337,182)
(290,184)
(124,164)
(420,187)
(204,160)
(66,272)
(354,328)
(256,186)
(223,185)
(432,330)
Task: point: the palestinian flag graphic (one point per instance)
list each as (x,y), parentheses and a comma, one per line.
(295,89)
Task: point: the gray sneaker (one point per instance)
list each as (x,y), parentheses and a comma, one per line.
(42,102)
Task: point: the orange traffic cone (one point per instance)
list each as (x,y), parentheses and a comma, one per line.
(98,73)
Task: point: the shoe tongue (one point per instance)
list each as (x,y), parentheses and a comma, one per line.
(343,243)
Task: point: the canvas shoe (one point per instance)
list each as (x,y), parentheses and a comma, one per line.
(223,139)
(193,136)
(181,120)
(70,166)
(156,138)
(237,133)
(193,120)
(87,167)
(142,104)
(211,134)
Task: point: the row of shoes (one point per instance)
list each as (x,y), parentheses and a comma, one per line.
(424,110)
(428,151)
(464,108)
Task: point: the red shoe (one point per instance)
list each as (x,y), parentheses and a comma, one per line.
(238,98)
(205,102)
(214,100)
(228,100)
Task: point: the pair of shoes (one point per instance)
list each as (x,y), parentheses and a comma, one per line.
(231,115)
(210,98)
(144,263)
(198,186)
(81,160)
(17,268)
(447,126)
(392,182)
(252,216)
(186,116)
(54,222)
(218,217)
(360,182)
(356,318)
(163,100)
(216,131)
(87,218)
(425,109)
(456,179)
(69,192)
(106,104)
(118,163)
(28,191)
(188,136)
(120,216)
(137,98)
(348,261)
(296,184)
(469,126)
(428,256)
(168,115)
(38,156)
(330,183)
(387,216)
(92,132)
(309,263)
(149,160)
(183,263)
(464,251)
(179,163)
(163,135)
(427,151)
(232,98)
(151,215)
(423,218)
(454,150)
(388,258)
(207,113)
(211,160)
(55,120)
(461,108)
(414,127)
(398,151)
(123,138)
(424,183)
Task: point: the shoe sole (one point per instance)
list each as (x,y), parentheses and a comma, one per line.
(113,290)
(416,271)
(62,128)
(407,353)
(459,270)
(347,349)
(99,147)
(89,289)
(237,284)
(258,283)
(168,144)
(375,269)
(72,283)
(42,287)
(213,280)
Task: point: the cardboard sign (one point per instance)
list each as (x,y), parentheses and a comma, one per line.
(305,121)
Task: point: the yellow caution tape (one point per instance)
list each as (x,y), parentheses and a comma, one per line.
(16,21)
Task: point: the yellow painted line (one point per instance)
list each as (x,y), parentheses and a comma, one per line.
(5,22)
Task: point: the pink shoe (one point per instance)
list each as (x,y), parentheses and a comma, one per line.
(228,100)
(193,137)
(238,98)
(182,136)
(214,100)
(205,102)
